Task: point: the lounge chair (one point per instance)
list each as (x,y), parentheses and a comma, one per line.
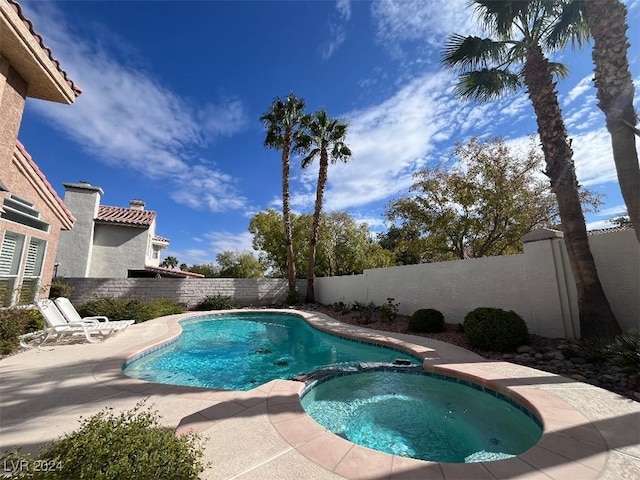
(71,314)
(58,326)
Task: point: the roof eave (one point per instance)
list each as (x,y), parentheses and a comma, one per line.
(26,52)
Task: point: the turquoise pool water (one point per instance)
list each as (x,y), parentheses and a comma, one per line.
(422,416)
(242,351)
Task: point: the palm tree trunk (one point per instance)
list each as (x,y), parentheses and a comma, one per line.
(597,321)
(286,212)
(322,180)
(608,24)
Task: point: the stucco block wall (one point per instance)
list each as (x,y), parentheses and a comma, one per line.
(188,291)
(537,284)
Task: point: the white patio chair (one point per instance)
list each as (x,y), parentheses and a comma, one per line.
(71,314)
(59,327)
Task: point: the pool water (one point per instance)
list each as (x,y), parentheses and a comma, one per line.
(421,416)
(242,351)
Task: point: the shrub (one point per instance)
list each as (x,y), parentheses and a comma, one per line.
(127,446)
(293,298)
(59,289)
(216,302)
(389,310)
(625,351)
(125,309)
(13,323)
(365,313)
(495,329)
(426,320)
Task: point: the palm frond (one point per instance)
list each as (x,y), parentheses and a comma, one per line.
(487,84)
(499,15)
(560,70)
(570,26)
(310,157)
(472,52)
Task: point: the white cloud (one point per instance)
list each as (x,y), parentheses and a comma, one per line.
(228,241)
(129,119)
(580,89)
(344,8)
(337,28)
(399,21)
(593,158)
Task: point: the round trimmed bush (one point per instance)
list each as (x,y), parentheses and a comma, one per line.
(495,329)
(426,320)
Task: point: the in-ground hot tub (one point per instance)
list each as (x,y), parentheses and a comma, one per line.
(426,416)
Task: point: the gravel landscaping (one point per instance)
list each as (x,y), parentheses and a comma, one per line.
(556,355)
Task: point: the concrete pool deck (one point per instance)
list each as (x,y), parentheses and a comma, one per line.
(264,433)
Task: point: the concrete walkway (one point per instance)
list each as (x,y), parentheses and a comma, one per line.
(264,433)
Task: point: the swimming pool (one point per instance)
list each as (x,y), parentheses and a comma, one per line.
(243,350)
(424,416)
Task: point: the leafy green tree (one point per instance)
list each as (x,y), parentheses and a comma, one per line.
(283,123)
(344,247)
(606,21)
(324,139)
(622,222)
(209,270)
(514,57)
(240,265)
(404,242)
(481,206)
(169,262)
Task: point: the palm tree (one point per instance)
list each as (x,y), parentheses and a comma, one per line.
(325,138)
(169,262)
(490,67)
(607,23)
(282,122)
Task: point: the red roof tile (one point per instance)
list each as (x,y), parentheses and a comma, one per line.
(36,169)
(125,216)
(18,9)
(176,273)
(158,238)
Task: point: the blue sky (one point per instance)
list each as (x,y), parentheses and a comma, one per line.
(172,94)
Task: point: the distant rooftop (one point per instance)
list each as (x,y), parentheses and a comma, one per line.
(125,216)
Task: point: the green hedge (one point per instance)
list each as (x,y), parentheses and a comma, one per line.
(495,329)
(426,320)
(129,309)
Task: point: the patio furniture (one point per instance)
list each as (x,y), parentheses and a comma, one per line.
(71,314)
(59,327)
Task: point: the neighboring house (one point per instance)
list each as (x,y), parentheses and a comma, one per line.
(109,242)
(31,213)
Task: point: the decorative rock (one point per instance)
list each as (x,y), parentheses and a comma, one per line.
(525,349)
(578,361)
(538,356)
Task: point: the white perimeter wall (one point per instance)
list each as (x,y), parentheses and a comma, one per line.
(537,284)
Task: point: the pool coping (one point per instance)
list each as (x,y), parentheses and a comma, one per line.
(570,446)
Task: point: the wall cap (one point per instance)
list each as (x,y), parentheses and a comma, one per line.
(541,234)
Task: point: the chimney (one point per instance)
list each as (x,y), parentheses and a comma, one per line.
(136,204)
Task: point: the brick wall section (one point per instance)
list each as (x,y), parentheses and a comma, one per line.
(187,291)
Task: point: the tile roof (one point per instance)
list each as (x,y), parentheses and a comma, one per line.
(36,169)
(172,272)
(18,9)
(158,238)
(125,216)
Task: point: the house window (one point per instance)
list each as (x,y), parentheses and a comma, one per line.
(18,210)
(10,255)
(32,271)
(12,264)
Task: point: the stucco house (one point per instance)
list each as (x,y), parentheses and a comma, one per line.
(109,242)
(31,213)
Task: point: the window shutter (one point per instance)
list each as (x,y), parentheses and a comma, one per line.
(7,253)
